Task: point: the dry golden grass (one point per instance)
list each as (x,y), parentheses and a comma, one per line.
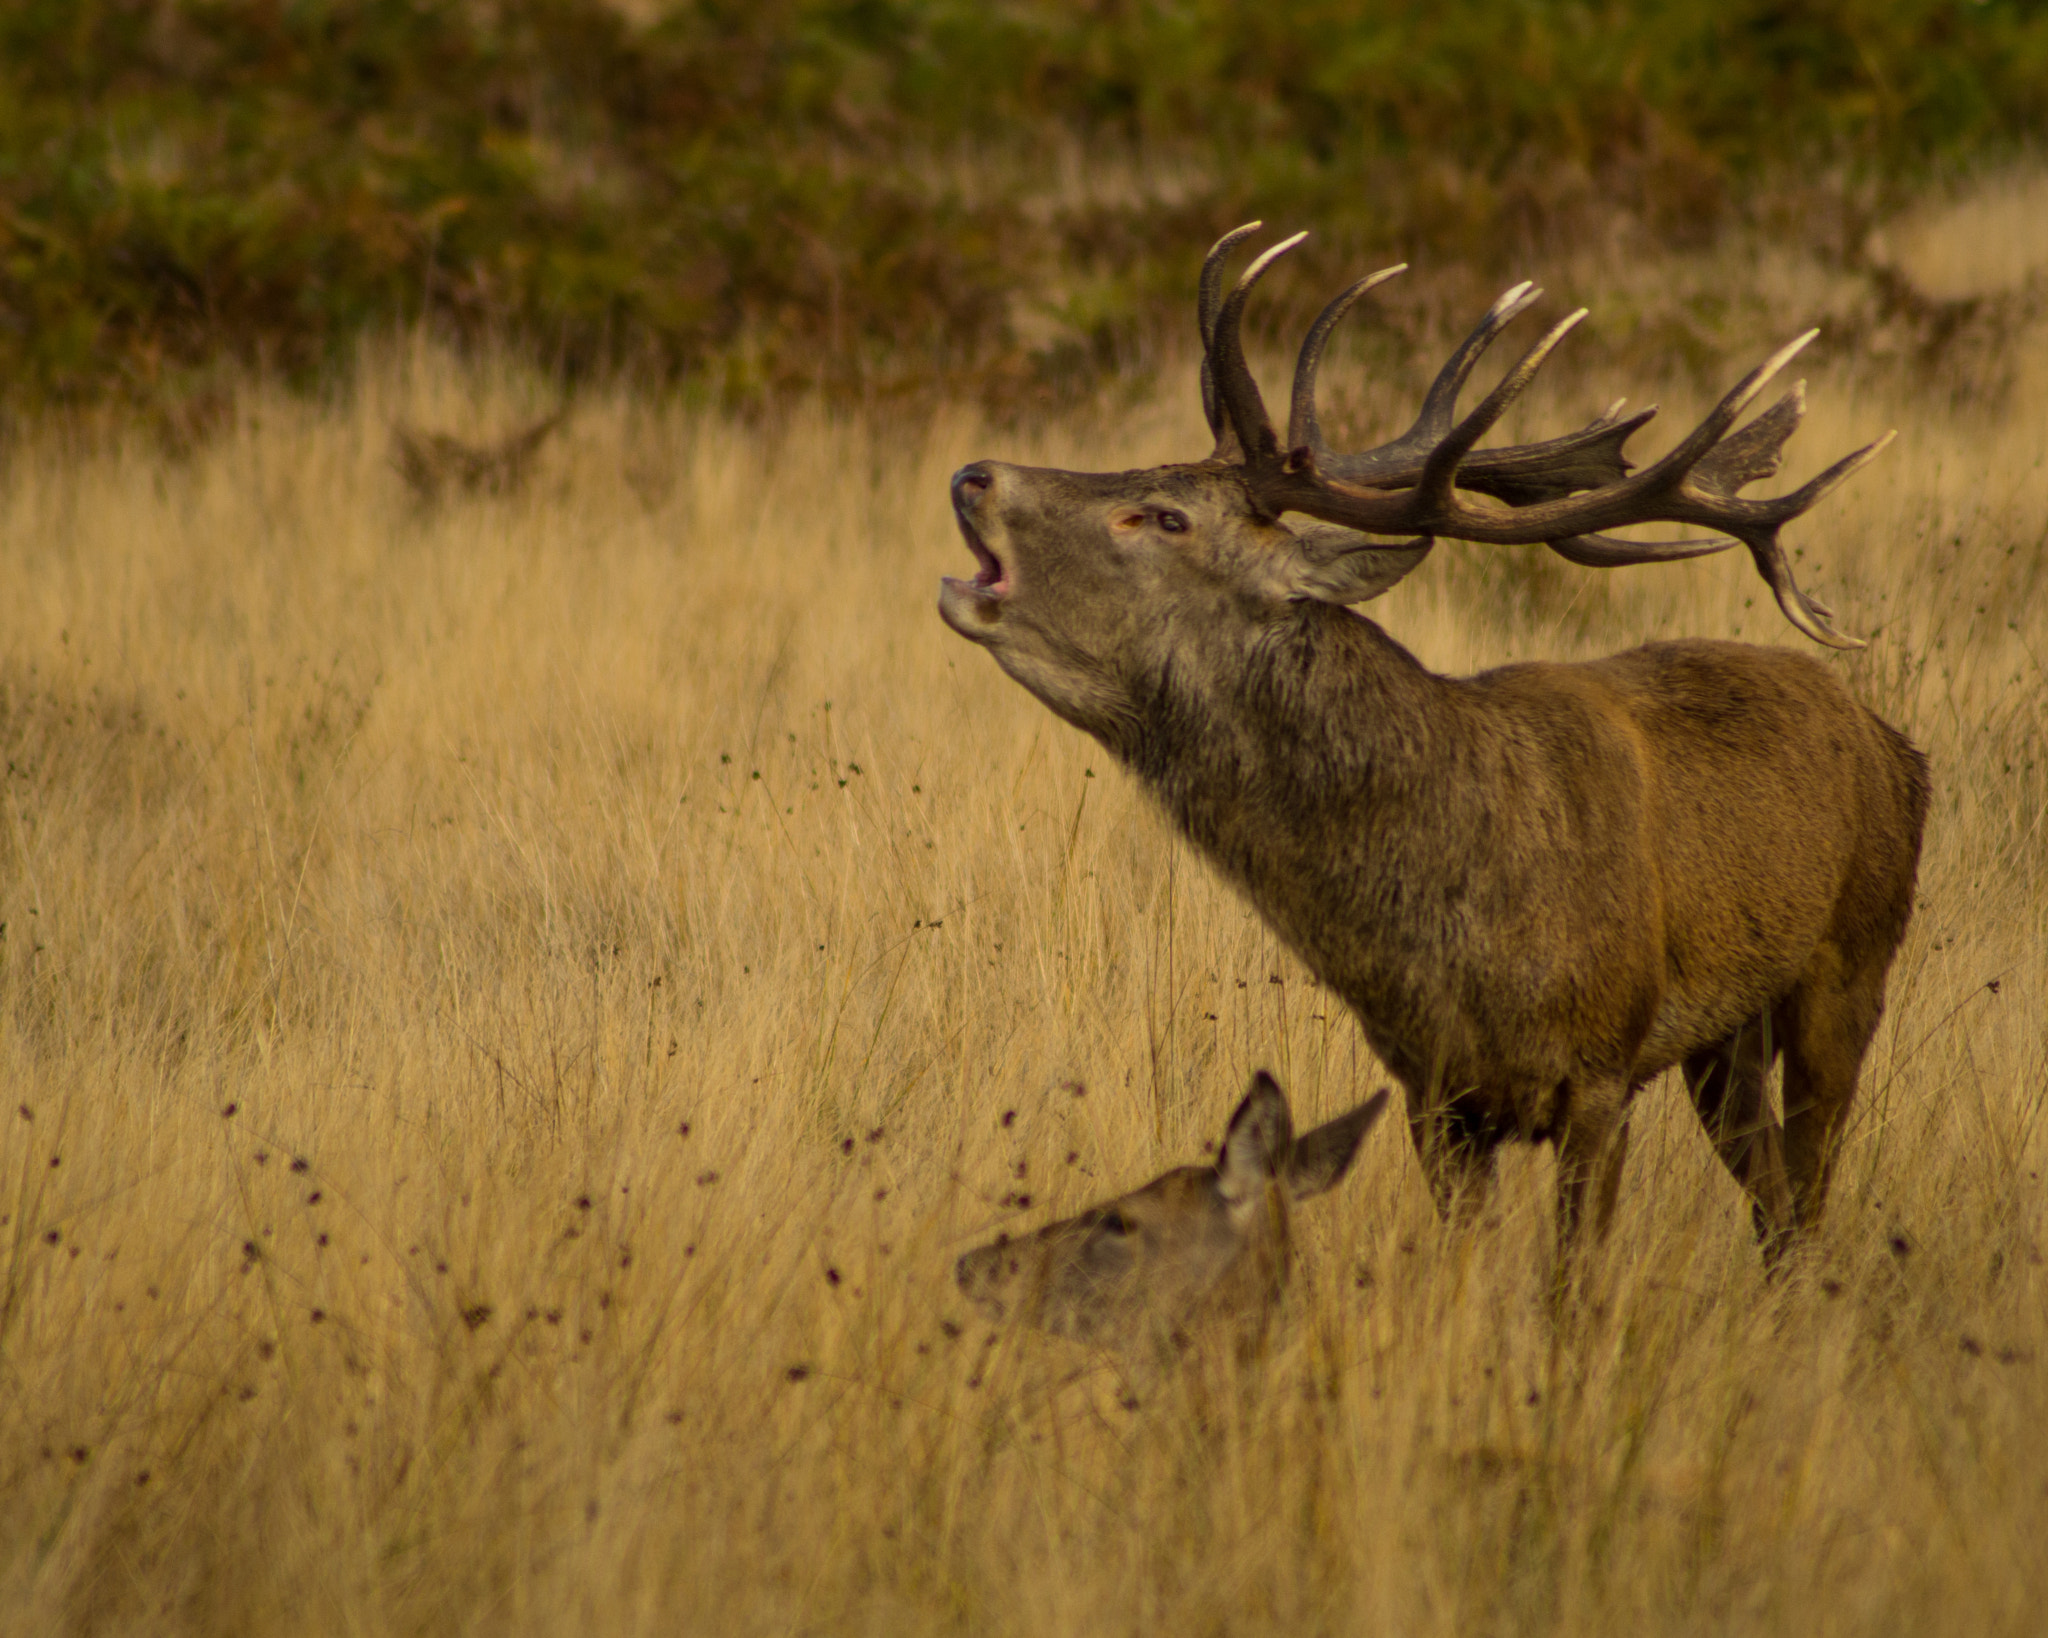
(509,1012)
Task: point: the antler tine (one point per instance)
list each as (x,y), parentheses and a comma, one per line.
(1399,460)
(1208,298)
(1587,459)
(1303,428)
(1808,614)
(1234,382)
(1843,470)
(1440,471)
(1757,451)
(1209,294)
(1708,433)
(1440,403)
(1760,535)
(1605,552)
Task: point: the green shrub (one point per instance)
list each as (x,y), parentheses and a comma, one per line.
(863,194)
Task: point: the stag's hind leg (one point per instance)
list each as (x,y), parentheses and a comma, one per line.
(1726,1081)
(1828,1022)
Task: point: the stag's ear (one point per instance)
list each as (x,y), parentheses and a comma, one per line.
(1334,565)
(1322,1157)
(1259,1144)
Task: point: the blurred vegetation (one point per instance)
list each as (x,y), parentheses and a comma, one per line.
(870,195)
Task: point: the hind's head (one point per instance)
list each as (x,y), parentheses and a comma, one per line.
(1198,1244)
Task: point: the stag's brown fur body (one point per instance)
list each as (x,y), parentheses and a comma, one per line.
(1549,883)
(1539,887)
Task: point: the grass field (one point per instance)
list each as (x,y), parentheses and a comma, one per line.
(510,1009)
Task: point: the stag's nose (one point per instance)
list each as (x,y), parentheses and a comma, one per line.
(970,483)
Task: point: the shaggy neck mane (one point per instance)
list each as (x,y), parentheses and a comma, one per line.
(1250,743)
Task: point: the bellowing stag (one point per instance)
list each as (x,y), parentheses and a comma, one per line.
(1538,887)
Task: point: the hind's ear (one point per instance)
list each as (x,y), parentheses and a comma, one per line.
(1259,1144)
(1322,1157)
(1333,565)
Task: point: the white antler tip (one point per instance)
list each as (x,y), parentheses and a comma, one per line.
(1256,270)
(1512,302)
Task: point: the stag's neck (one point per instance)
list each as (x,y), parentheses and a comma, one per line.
(1343,788)
(1278,755)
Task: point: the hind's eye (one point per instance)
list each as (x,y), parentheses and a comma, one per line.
(1114,1222)
(1174,523)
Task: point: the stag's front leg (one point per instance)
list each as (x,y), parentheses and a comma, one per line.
(1457,1152)
(1591,1150)
(1590,1153)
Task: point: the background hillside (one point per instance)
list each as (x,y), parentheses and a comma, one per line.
(877,195)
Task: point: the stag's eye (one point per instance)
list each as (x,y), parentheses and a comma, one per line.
(1113,1222)
(1174,523)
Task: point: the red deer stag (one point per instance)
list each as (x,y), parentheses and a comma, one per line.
(1538,887)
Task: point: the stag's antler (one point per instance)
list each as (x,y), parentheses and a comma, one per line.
(1558,493)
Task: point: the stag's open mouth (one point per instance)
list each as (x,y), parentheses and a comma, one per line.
(992,580)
